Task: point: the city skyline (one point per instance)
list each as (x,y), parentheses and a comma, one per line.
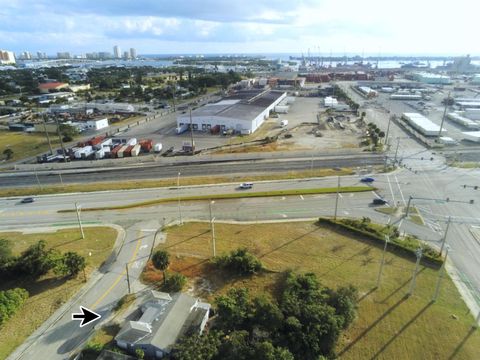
(213,27)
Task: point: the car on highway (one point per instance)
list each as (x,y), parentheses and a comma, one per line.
(379,201)
(27,200)
(246,185)
(367,180)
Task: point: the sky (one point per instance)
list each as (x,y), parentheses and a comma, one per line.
(409,27)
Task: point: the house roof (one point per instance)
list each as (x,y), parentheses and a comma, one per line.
(51,85)
(164,320)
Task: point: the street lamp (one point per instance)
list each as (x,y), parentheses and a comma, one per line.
(387,238)
(178,198)
(440,274)
(78,209)
(212,227)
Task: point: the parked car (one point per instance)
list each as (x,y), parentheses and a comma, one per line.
(27,200)
(378,201)
(367,180)
(247,185)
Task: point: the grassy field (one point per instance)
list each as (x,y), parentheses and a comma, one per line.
(25,145)
(48,293)
(196,180)
(389,326)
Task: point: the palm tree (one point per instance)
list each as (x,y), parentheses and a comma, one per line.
(160,260)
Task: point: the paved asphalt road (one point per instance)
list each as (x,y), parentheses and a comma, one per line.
(420,178)
(169,171)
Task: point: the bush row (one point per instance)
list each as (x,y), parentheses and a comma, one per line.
(406,246)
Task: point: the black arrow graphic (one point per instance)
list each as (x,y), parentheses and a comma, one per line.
(87,316)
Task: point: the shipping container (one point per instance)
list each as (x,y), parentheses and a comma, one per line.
(132,141)
(128,151)
(120,153)
(96,140)
(146,144)
(136,150)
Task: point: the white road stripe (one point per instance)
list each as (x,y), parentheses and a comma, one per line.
(391,190)
(401,193)
(340,195)
(301,197)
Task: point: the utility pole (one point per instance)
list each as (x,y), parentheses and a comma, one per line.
(79,220)
(178,197)
(408,206)
(191,132)
(46,134)
(388,129)
(128,278)
(418,253)
(443,117)
(61,141)
(61,180)
(440,274)
(382,262)
(396,150)
(36,176)
(174,89)
(445,235)
(336,199)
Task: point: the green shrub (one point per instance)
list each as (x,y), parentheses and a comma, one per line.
(239,261)
(10,301)
(174,283)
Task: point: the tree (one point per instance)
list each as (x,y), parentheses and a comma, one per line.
(381,134)
(10,301)
(266,351)
(8,153)
(344,300)
(266,314)
(197,347)
(140,354)
(36,260)
(5,252)
(70,264)
(175,283)
(161,261)
(240,261)
(234,309)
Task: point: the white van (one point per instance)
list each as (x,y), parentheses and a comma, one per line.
(247,185)
(283,123)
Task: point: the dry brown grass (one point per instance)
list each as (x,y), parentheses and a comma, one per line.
(389,326)
(48,293)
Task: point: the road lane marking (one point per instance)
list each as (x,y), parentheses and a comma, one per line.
(117,280)
(391,190)
(301,197)
(401,192)
(340,195)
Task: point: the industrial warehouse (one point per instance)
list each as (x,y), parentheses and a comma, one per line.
(243,112)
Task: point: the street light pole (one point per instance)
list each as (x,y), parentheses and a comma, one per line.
(336,199)
(382,262)
(79,220)
(212,227)
(128,278)
(440,275)
(38,180)
(178,197)
(445,235)
(418,253)
(443,117)
(408,206)
(388,129)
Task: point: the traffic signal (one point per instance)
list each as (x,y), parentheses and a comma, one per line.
(475,187)
(448,199)
(464,186)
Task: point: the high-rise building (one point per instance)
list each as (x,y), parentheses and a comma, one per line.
(7,57)
(117,52)
(104,55)
(63,55)
(26,55)
(133,53)
(126,55)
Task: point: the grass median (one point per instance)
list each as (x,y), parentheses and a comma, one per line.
(185,181)
(49,292)
(388,325)
(240,194)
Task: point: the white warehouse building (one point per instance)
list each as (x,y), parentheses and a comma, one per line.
(242,112)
